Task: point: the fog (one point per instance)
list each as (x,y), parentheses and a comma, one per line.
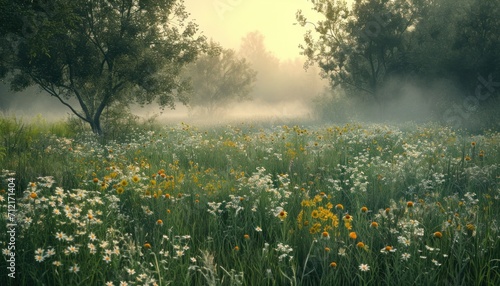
(283,90)
(30,103)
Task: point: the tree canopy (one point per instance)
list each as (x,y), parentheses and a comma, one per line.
(361,47)
(218,78)
(100,52)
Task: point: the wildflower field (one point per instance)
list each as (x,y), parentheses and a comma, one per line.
(250,204)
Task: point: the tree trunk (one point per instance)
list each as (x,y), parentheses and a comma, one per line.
(96,126)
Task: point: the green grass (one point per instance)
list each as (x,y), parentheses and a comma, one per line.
(250,204)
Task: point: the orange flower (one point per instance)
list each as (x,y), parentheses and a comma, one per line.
(327,249)
(159,222)
(246,236)
(409,204)
(325,234)
(353,235)
(95,180)
(147,245)
(333,264)
(339,207)
(347,221)
(364,209)
(374,224)
(360,244)
(33,195)
(438,234)
(236,248)
(387,249)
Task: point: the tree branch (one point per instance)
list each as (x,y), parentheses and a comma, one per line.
(73,88)
(53,93)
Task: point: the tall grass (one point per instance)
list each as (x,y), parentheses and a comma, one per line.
(250,204)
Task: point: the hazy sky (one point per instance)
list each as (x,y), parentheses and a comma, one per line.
(228,21)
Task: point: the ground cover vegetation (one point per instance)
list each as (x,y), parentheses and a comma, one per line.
(252,204)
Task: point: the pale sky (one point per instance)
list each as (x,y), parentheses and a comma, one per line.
(228,21)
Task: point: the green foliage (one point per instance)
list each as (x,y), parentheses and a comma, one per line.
(224,205)
(2,152)
(218,78)
(364,47)
(359,47)
(99,52)
(459,41)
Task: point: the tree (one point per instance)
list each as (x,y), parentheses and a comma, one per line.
(101,52)
(360,47)
(218,77)
(253,49)
(465,45)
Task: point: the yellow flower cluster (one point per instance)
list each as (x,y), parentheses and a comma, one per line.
(317,215)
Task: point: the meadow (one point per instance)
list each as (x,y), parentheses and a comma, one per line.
(250,204)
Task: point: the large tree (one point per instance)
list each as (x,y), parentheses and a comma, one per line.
(459,40)
(218,77)
(100,52)
(359,47)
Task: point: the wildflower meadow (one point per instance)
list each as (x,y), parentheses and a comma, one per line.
(249,204)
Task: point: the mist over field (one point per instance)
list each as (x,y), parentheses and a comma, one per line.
(249,142)
(284,90)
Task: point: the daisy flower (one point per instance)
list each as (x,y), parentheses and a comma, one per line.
(74,268)
(57,263)
(364,267)
(388,249)
(107,258)
(92,236)
(60,235)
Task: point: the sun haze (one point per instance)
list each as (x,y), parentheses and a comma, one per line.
(228,21)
